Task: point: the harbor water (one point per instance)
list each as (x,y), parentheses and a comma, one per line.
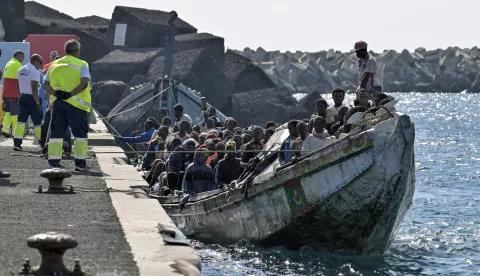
(441,232)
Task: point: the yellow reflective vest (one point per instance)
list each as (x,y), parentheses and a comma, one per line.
(64,74)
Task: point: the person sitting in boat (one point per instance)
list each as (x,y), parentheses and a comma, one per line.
(246,137)
(182,131)
(251,148)
(331,115)
(212,114)
(362,99)
(227,135)
(341,116)
(321,106)
(180,115)
(238,144)
(369,72)
(268,134)
(228,168)
(379,98)
(296,147)
(230,124)
(284,154)
(211,124)
(155,147)
(319,137)
(271,124)
(198,176)
(142,138)
(215,158)
(177,162)
(166,121)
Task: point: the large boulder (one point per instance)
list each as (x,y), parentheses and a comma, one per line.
(187,42)
(94,22)
(260,106)
(245,75)
(93,46)
(12,15)
(308,102)
(145,28)
(106,95)
(123,65)
(35,9)
(198,70)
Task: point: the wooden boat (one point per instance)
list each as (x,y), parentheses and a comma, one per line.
(349,196)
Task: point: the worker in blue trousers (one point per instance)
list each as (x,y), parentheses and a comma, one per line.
(29,102)
(68,83)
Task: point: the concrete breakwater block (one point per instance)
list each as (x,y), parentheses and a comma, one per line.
(12,15)
(97,23)
(145,28)
(199,70)
(92,42)
(272,104)
(106,95)
(124,64)
(245,75)
(35,9)
(187,42)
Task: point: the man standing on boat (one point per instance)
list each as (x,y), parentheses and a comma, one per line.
(369,72)
(68,80)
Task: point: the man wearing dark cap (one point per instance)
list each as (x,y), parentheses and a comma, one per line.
(369,72)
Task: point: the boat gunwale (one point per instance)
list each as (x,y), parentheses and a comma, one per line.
(260,188)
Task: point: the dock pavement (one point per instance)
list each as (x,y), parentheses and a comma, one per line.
(117,232)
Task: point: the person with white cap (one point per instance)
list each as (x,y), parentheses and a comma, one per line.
(370,77)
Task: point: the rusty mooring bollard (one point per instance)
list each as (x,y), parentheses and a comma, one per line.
(55,179)
(52,246)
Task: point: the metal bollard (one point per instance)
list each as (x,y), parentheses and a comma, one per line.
(52,246)
(55,180)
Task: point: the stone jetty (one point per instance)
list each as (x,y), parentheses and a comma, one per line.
(268,79)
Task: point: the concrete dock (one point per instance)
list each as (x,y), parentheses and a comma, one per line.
(117,232)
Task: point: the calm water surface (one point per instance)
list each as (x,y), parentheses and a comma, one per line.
(440,234)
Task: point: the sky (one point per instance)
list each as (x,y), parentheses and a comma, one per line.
(313,25)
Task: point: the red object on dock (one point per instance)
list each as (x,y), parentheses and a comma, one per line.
(44,44)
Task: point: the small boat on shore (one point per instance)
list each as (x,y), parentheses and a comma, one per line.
(349,196)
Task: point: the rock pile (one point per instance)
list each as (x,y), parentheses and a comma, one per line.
(450,70)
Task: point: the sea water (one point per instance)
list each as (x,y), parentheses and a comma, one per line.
(441,232)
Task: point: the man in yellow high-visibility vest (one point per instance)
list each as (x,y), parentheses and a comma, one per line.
(68,83)
(11,94)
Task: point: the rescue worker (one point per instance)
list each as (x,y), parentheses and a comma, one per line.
(369,71)
(68,82)
(29,102)
(10,93)
(53,57)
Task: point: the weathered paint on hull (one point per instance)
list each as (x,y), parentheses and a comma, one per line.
(351,198)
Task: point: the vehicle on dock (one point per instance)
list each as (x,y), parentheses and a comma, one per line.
(350,196)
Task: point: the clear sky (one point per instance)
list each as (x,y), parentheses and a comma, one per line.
(313,25)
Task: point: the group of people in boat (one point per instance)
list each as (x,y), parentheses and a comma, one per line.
(202,157)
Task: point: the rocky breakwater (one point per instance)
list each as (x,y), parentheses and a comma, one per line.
(450,70)
(230,81)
